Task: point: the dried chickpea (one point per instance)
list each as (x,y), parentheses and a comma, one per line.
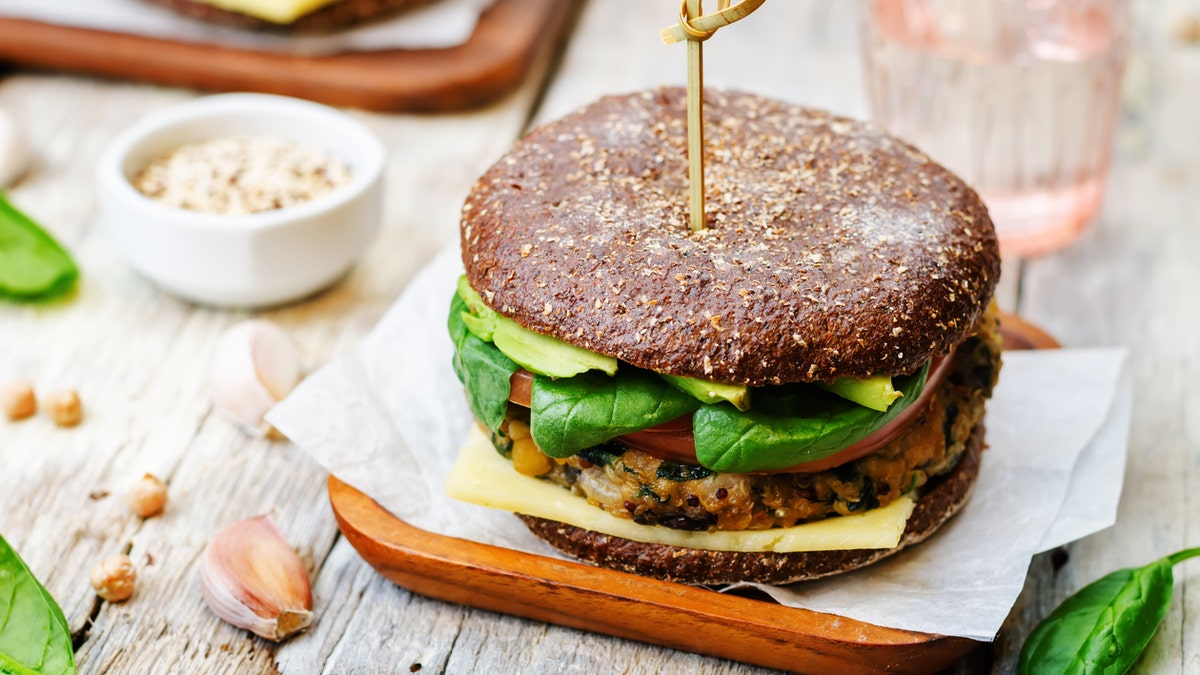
(528,459)
(114,578)
(17,399)
(148,496)
(64,408)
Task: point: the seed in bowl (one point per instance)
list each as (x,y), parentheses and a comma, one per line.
(238,175)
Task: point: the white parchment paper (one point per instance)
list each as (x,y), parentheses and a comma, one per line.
(389,417)
(441,25)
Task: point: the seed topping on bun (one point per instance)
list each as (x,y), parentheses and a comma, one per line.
(832,249)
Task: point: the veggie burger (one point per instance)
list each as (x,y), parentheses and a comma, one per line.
(795,391)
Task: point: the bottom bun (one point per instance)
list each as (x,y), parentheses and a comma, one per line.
(941,500)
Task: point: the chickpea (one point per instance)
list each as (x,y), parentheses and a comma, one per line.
(17,400)
(148,496)
(64,408)
(114,578)
(517,430)
(528,459)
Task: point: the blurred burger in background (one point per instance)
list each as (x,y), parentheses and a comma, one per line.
(290,15)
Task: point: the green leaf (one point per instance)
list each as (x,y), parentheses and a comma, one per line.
(1104,627)
(790,425)
(568,415)
(484,371)
(681,472)
(34,637)
(33,266)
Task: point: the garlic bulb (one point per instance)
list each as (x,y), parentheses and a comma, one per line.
(256,365)
(14,151)
(251,578)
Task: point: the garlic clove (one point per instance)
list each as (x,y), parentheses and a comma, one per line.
(252,578)
(14,151)
(256,365)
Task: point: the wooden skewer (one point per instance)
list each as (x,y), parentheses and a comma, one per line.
(709,23)
(695,123)
(696,27)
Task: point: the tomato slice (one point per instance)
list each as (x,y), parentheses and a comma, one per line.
(676,445)
(520,387)
(673,441)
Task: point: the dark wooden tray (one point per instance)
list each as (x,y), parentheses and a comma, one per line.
(506,42)
(625,605)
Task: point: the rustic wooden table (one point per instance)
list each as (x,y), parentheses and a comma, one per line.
(140,358)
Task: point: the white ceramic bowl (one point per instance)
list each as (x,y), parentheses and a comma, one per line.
(243,260)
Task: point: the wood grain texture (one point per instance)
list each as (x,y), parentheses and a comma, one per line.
(140,360)
(581,596)
(496,58)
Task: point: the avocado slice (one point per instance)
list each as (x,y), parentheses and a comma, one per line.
(535,352)
(480,327)
(711,392)
(875,392)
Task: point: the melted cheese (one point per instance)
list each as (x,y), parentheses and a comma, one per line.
(275,11)
(481,476)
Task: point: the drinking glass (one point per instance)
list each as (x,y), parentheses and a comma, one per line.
(1019,97)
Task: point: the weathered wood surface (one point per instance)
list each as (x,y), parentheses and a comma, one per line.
(139,359)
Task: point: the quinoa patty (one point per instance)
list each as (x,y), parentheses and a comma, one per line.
(631,484)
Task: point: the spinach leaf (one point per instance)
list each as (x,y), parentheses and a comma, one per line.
(601,455)
(32,265)
(681,472)
(1105,626)
(34,637)
(483,369)
(790,425)
(570,414)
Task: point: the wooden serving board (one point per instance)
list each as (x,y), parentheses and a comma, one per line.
(507,40)
(683,617)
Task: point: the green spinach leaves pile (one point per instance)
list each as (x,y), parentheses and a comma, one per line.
(787,425)
(34,637)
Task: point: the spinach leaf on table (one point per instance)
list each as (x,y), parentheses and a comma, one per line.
(32,265)
(34,637)
(791,425)
(482,368)
(1105,626)
(570,414)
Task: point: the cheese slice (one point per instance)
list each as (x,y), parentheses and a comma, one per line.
(275,11)
(482,476)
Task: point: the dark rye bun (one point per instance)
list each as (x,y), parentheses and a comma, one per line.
(335,16)
(698,566)
(832,249)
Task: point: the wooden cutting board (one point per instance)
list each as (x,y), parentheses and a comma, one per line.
(507,40)
(690,618)
(589,598)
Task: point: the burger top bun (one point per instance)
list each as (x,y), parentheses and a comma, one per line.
(832,249)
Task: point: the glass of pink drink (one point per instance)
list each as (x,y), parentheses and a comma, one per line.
(1019,97)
